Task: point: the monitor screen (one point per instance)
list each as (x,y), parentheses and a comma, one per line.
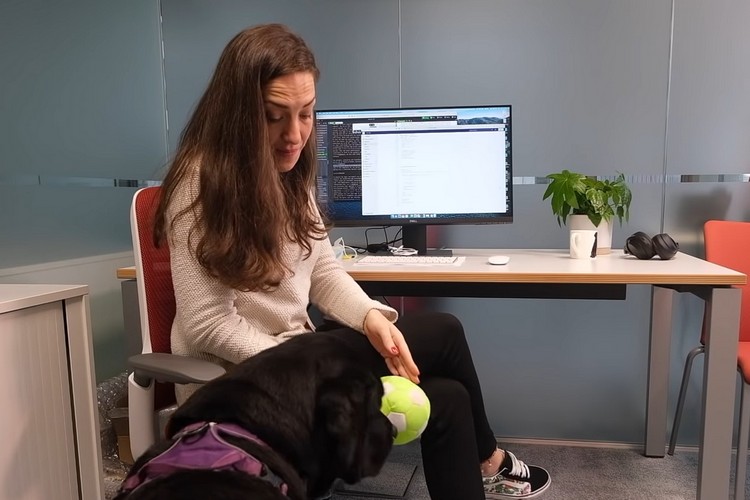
(415,167)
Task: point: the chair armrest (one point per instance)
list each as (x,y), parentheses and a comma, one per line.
(173,368)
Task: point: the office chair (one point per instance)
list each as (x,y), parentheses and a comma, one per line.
(155,370)
(727,244)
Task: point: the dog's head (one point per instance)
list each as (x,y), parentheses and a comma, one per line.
(350,433)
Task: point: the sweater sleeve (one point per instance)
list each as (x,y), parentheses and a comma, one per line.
(207,319)
(336,293)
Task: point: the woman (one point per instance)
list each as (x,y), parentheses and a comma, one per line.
(249,252)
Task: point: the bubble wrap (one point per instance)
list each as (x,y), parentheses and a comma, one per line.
(111,394)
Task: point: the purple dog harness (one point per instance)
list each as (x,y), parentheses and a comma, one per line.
(201,446)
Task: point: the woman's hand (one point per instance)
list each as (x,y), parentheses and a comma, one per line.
(389,342)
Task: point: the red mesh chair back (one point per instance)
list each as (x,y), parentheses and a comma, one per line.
(154,283)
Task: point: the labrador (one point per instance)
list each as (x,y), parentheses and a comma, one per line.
(286,423)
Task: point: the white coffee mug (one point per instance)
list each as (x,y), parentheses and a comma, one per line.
(582,243)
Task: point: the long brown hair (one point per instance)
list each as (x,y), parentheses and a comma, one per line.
(246,210)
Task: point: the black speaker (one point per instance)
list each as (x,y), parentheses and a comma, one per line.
(642,246)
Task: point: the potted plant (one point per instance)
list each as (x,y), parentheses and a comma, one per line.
(591,201)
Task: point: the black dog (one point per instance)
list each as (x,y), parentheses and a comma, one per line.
(313,414)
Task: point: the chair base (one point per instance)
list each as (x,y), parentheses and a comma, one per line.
(683,392)
(140,416)
(744,431)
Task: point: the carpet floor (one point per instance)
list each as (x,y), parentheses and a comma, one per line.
(578,473)
(581,473)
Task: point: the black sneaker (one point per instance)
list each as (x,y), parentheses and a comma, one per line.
(515,479)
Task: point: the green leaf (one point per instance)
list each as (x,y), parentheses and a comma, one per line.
(572,192)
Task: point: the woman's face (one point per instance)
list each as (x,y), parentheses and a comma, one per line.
(289,102)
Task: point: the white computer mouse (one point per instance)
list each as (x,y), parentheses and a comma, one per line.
(498,260)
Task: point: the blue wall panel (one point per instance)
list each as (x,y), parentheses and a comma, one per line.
(81,103)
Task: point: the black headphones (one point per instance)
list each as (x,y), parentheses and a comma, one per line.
(643,247)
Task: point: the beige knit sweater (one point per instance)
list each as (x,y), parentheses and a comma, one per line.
(220,324)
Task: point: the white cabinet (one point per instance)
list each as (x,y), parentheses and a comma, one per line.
(50,445)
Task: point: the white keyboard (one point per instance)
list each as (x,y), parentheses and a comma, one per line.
(409,260)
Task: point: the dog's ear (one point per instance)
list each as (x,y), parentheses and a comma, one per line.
(358,434)
(338,409)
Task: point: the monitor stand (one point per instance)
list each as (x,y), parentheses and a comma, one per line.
(415,236)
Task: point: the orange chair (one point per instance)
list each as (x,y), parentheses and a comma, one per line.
(155,370)
(727,244)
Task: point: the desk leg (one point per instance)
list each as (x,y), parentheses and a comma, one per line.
(658,371)
(719,382)
(131,317)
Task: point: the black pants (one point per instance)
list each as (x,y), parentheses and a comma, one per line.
(458,436)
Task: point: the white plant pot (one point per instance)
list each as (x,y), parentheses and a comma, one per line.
(604,231)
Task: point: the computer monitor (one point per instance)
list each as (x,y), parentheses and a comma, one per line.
(415,167)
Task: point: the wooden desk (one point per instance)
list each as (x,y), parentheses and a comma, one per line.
(552,274)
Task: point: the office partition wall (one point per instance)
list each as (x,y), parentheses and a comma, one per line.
(594,86)
(654,89)
(81,113)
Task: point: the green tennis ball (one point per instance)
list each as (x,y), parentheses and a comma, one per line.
(406,406)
